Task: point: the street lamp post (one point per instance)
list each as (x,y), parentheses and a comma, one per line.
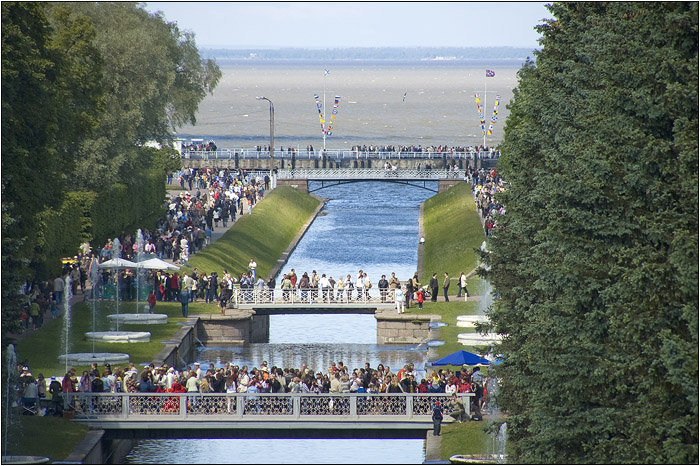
(272,125)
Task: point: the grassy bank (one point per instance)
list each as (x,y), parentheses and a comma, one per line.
(452,232)
(264,235)
(47,436)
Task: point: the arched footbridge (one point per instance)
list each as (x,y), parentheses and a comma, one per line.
(327,177)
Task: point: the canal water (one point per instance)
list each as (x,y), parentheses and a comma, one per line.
(371,226)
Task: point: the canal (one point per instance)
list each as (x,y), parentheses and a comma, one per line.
(371,226)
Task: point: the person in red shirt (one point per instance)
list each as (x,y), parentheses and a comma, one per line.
(419,298)
(422,387)
(152,301)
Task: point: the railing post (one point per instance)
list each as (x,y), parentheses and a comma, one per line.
(183,405)
(240,405)
(296,407)
(353,406)
(409,406)
(125,406)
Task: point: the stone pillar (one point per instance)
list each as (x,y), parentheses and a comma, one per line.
(393,328)
(300,184)
(260,329)
(445,184)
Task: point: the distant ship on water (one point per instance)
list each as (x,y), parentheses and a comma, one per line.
(438,58)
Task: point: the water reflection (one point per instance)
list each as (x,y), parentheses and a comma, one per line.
(317,356)
(274,451)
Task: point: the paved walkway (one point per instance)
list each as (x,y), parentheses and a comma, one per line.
(216,233)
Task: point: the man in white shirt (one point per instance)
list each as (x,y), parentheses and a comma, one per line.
(325,286)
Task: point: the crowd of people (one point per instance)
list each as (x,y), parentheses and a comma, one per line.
(231,378)
(431,151)
(220,196)
(480,151)
(312,288)
(485,184)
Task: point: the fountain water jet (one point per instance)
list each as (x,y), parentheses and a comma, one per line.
(136,318)
(113,336)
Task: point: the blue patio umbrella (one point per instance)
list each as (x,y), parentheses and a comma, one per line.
(459,358)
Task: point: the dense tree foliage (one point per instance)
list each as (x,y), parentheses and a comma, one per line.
(596,260)
(84,87)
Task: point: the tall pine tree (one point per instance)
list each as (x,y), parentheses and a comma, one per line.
(596,261)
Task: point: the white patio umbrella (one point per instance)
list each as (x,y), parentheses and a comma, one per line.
(117,263)
(156,264)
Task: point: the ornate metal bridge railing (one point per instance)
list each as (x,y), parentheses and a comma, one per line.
(332,154)
(369,174)
(340,407)
(311,296)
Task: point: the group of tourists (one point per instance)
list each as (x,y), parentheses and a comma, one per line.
(44,299)
(430,151)
(231,378)
(485,184)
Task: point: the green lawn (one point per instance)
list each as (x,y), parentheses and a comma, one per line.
(40,350)
(34,438)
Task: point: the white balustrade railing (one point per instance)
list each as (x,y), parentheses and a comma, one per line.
(331,154)
(311,296)
(368,174)
(254,406)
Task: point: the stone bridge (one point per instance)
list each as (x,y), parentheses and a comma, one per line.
(280,415)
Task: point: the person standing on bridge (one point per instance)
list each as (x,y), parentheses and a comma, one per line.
(383,285)
(325,285)
(367,285)
(349,287)
(304,286)
(359,284)
(286,288)
(341,288)
(313,282)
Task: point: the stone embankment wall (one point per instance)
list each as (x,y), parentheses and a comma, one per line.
(181,347)
(394,328)
(96,448)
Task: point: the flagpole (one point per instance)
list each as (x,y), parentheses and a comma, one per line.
(325,111)
(483,130)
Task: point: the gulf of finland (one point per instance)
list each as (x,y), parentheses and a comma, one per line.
(371,226)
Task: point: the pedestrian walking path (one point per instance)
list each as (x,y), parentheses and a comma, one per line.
(216,232)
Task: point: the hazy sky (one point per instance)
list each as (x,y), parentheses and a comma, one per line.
(363,24)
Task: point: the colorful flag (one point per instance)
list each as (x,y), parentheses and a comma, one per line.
(490,73)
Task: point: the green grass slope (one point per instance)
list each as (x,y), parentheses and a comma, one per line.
(264,235)
(452,231)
